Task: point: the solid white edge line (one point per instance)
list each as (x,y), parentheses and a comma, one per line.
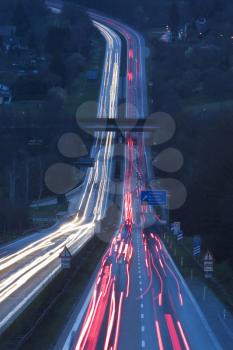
(78,320)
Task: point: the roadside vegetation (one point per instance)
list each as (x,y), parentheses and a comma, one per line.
(193,81)
(44,61)
(191,268)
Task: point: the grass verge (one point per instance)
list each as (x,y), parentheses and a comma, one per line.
(192,267)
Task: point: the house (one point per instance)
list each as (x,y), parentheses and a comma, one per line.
(202,26)
(8,39)
(5,95)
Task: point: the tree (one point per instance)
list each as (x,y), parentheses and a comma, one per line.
(207,8)
(174,19)
(35,8)
(32,43)
(74,66)
(57,66)
(57,95)
(29,87)
(218,83)
(56,40)
(72,14)
(21,20)
(1,42)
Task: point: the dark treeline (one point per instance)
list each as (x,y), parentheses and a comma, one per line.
(147,13)
(193,81)
(60,47)
(206,144)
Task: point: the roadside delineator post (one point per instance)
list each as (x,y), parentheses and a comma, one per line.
(98,227)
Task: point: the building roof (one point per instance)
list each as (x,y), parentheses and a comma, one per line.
(4,90)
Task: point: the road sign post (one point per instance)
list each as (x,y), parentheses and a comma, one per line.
(66,258)
(156,198)
(98,227)
(208,265)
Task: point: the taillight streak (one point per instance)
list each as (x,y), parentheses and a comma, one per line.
(176,280)
(160,296)
(118,321)
(160,342)
(172,332)
(110,318)
(183,336)
(87,324)
(128,280)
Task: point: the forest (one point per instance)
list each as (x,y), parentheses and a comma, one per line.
(41,69)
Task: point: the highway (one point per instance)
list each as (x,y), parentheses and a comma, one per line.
(27,265)
(139,300)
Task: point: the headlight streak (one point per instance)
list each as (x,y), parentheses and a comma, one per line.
(183,336)
(76,232)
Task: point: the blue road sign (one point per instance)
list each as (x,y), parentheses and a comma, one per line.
(180,235)
(157,198)
(196,245)
(196,250)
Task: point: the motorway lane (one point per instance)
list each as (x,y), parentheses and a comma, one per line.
(153,310)
(141,302)
(25,265)
(179,312)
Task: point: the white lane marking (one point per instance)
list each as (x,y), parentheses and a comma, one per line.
(142,328)
(143,344)
(142,315)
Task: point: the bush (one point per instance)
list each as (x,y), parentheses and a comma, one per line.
(18,211)
(29,88)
